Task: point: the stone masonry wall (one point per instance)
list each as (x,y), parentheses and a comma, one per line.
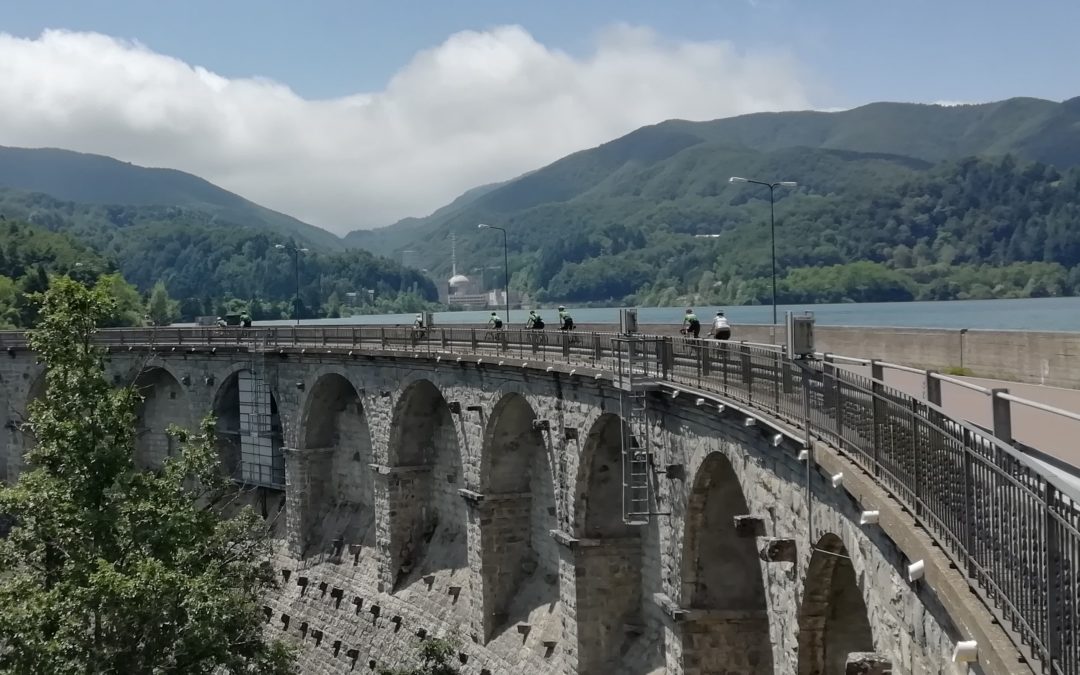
(609,601)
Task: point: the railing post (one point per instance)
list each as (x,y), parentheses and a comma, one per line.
(1053,575)
(747,370)
(667,363)
(724,364)
(1002,415)
(704,368)
(877,406)
(969,506)
(915,455)
(933,388)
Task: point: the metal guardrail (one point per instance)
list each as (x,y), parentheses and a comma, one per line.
(1011,527)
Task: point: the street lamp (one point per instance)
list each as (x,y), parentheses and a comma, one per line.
(296,271)
(772,224)
(506,269)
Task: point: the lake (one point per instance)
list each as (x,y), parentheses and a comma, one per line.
(1048,314)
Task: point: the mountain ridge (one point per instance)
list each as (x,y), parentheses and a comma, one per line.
(89,178)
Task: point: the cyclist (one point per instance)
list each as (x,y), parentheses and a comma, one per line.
(495,322)
(419,322)
(245,320)
(565,319)
(721,329)
(534,321)
(691,325)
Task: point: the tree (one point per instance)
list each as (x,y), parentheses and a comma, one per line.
(107,569)
(435,659)
(162,309)
(126,304)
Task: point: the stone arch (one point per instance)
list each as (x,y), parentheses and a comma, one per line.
(727,629)
(249,432)
(833,620)
(426,511)
(607,556)
(164,403)
(330,475)
(519,557)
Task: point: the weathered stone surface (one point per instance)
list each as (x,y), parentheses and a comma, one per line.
(374,512)
(867,663)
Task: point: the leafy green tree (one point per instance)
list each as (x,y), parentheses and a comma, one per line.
(436,657)
(107,569)
(127,305)
(162,309)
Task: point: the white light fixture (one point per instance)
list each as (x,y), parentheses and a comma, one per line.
(675,394)
(916,570)
(869,517)
(700,402)
(838,479)
(966,651)
(550,368)
(483,226)
(804,455)
(788,183)
(736,179)
(597,378)
(749,422)
(721,408)
(777,440)
(573,372)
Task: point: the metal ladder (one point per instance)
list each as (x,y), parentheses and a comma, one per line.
(634,378)
(636,464)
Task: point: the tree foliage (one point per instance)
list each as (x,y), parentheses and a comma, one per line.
(436,658)
(162,309)
(108,569)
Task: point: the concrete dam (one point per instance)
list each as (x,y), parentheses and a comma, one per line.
(608,504)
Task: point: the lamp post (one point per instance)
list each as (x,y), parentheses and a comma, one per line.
(506,269)
(772,224)
(296,271)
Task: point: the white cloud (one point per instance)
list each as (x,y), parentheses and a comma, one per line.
(481,107)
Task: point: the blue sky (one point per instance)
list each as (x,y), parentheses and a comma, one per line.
(355,114)
(858,50)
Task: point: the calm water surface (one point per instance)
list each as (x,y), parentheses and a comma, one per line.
(1050,314)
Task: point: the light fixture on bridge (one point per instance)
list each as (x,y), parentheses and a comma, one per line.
(598,377)
(869,517)
(777,440)
(674,394)
(479,361)
(838,479)
(721,408)
(916,570)
(966,651)
(804,455)
(209,380)
(699,402)
(749,422)
(550,368)
(573,372)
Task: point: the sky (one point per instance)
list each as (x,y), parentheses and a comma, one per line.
(353,114)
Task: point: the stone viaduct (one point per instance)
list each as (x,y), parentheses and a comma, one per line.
(437,494)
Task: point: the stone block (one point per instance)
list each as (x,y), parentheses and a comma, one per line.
(867,663)
(778,550)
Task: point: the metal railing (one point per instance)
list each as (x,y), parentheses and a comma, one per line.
(1010,526)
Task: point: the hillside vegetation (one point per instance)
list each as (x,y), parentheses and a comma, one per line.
(97,180)
(212,269)
(895,202)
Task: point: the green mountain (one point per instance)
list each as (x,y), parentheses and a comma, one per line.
(94,179)
(924,194)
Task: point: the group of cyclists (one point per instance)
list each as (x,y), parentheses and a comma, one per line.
(721,328)
(691,326)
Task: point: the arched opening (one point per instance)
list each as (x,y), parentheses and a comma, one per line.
(728,626)
(608,566)
(249,431)
(163,404)
(428,514)
(335,460)
(833,620)
(520,559)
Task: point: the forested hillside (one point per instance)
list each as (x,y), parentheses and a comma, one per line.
(30,255)
(94,179)
(891,205)
(211,269)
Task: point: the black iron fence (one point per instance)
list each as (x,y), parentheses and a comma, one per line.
(1011,527)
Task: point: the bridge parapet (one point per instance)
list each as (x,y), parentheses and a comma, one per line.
(1010,527)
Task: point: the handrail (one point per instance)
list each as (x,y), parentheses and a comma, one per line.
(1006,522)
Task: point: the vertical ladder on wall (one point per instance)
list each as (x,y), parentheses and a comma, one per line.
(633,378)
(257,455)
(637,467)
